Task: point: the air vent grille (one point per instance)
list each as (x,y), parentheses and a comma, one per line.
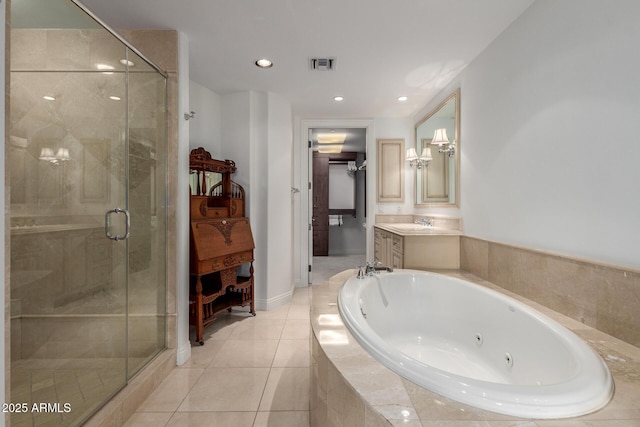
(323,64)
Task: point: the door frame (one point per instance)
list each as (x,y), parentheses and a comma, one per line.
(303,211)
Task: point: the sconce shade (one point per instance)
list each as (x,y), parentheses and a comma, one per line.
(440,137)
(63,154)
(412,154)
(426,154)
(46,154)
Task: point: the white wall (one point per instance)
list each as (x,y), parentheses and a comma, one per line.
(235,113)
(280,214)
(256,134)
(205,127)
(258,193)
(550,132)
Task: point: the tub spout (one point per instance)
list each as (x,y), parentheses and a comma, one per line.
(374,267)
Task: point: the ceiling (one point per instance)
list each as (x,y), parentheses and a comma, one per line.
(383,48)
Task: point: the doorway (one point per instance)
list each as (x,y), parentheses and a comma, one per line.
(337,196)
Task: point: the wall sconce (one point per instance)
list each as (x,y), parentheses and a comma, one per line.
(419,162)
(444,146)
(60,157)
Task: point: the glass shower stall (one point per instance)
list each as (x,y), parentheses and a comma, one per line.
(87,176)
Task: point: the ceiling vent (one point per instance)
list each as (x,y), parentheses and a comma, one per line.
(323,64)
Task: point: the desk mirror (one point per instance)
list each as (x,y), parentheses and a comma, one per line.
(438,137)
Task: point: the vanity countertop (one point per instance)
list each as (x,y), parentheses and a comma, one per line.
(412,229)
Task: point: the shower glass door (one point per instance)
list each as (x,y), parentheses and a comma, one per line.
(146,187)
(88,192)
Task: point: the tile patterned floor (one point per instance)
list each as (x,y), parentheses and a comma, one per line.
(251,371)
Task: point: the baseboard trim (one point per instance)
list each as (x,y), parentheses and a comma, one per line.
(274,302)
(183,354)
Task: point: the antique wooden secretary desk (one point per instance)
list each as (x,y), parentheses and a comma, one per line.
(221,242)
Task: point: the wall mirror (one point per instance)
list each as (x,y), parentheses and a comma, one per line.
(438,183)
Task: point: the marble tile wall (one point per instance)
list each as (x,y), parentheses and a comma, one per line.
(53,270)
(602,296)
(333,401)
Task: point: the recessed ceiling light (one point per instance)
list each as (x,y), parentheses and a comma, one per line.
(127,63)
(264,63)
(402,98)
(49,98)
(115,98)
(338,98)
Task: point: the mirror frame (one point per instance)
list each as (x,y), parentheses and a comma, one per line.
(455,95)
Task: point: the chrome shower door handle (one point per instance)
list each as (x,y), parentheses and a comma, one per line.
(107,224)
(127,230)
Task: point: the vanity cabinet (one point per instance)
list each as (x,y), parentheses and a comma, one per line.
(416,251)
(389,248)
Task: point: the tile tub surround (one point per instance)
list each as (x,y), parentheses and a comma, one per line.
(602,296)
(350,388)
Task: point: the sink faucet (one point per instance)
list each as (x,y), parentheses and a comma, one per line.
(372,268)
(427,222)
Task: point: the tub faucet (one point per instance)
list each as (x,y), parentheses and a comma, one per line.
(427,222)
(375,266)
(361,272)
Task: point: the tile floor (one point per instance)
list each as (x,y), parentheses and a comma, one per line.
(251,371)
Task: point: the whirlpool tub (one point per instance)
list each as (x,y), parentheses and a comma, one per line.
(474,345)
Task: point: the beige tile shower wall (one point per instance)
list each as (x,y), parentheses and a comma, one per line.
(601,296)
(160,46)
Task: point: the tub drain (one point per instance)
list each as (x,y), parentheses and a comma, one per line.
(478,338)
(508,359)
